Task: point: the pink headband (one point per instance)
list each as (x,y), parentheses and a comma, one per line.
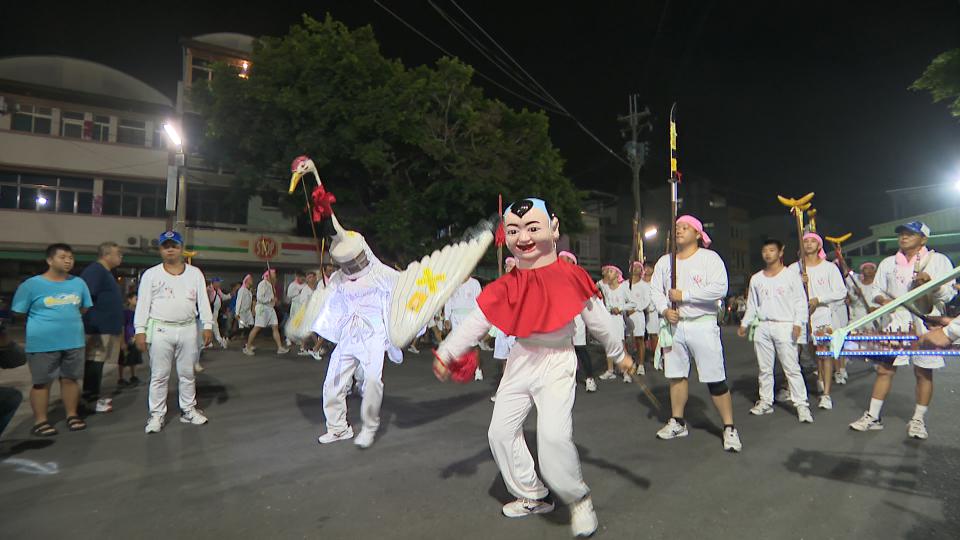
(568,254)
(619,273)
(636,264)
(268,272)
(819,240)
(697,226)
(866,265)
(247,279)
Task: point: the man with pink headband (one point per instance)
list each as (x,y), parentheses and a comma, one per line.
(265,313)
(824,289)
(689,327)
(615,297)
(245,318)
(868,286)
(638,295)
(911,266)
(537,302)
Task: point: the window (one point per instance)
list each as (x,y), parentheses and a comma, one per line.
(100,129)
(270,199)
(205,205)
(33,119)
(132,199)
(71,124)
(132,132)
(200,70)
(45,193)
(159,136)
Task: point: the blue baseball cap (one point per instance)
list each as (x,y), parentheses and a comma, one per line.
(216,280)
(917,227)
(171,236)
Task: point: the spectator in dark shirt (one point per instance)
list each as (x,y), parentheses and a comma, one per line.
(103,323)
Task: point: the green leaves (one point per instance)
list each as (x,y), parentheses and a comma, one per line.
(942,79)
(420,149)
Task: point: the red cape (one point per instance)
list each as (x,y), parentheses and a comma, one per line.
(540,300)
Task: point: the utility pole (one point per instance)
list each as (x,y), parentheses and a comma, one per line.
(636,151)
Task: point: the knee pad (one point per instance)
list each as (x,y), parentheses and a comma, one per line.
(718,388)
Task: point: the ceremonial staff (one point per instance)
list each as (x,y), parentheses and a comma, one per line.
(797,207)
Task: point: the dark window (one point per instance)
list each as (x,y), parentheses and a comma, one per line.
(130,206)
(28,198)
(8,196)
(149,207)
(79,183)
(111,204)
(84,203)
(132,132)
(71,124)
(101,128)
(65,201)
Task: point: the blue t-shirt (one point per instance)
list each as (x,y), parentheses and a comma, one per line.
(106,315)
(53,312)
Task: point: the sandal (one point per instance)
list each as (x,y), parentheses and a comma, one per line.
(75,423)
(43,429)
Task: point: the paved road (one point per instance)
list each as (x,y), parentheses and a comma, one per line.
(256,470)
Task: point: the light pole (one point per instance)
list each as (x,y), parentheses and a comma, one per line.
(176,180)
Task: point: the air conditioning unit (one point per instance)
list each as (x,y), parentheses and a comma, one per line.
(133,241)
(149,244)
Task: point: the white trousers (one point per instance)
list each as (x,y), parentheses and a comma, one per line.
(173,344)
(775,340)
(340,373)
(544,377)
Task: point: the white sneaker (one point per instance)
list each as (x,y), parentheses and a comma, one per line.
(783,395)
(527,507)
(412,349)
(198,368)
(154,424)
(224,343)
(803,414)
(248,350)
(316,355)
(917,429)
(591,385)
(493,398)
(840,377)
(640,370)
(287,343)
(104,405)
(364,439)
(607,376)
(761,408)
(672,430)
(583,520)
(867,423)
(193,416)
(303,352)
(328,437)
(283,350)
(826,402)
(478,375)
(731,440)
(627,378)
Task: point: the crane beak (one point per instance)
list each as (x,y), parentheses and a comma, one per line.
(294,180)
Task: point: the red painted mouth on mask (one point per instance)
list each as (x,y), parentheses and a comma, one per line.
(526,247)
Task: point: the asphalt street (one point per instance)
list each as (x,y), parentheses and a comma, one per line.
(256,470)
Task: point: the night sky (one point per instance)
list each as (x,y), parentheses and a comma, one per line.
(773,96)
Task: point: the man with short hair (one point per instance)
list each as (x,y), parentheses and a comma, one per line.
(912,266)
(265,313)
(103,323)
(172,294)
(54,303)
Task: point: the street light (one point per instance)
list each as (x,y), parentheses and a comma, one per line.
(650,233)
(172,134)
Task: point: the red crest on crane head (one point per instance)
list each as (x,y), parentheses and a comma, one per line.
(297,161)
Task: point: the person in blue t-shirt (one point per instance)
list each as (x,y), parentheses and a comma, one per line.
(54,303)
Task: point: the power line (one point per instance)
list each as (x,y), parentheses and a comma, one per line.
(481,74)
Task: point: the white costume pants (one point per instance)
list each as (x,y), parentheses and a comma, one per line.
(699,338)
(545,377)
(775,340)
(169,345)
(340,373)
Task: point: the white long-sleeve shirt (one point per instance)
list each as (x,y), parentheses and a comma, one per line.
(462,302)
(702,278)
(265,294)
(638,295)
(778,298)
(618,298)
(870,292)
(895,280)
(825,283)
(294,290)
(594,315)
(245,305)
(173,299)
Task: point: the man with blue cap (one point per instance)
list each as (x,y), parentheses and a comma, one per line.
(912,266)
(171,296)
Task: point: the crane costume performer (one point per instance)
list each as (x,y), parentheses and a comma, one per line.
(537,303)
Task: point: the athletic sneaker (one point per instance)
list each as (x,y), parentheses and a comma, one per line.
(154,424)
(412,349)
(193,416)
(478,375)
(731,440)
(523,507)
(672,430)
(328,437)
(867,423)
(826,402)
(627,378)
(761,408)
(591,385)
(607,376)
(640,370)
(248,350)
(917,429)
(364,439)
(303,352)
(283,350)
(198,368)
(840,377)
(803,414)
(583,520)
(224,343)
(104,405)
(316,355)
